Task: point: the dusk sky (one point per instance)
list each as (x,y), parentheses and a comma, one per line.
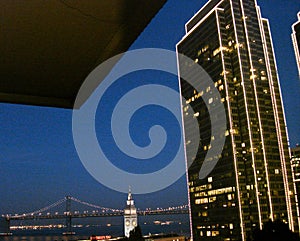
(39,163)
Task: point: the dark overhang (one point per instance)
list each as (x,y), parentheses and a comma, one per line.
(49,47)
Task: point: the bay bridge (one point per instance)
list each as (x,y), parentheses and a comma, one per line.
(68,214)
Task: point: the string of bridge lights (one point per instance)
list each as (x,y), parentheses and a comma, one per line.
(104,209)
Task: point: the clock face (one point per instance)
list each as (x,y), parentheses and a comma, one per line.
(133,223)
(127,222)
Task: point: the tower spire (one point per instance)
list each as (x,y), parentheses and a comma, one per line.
(129,193)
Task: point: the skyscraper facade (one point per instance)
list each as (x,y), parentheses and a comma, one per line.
(296,41)
(252,181)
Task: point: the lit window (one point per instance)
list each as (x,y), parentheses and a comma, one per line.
(216,51)
(201,201)
(276,171)
(209,179)
(196,114)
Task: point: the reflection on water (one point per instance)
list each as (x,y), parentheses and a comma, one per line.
(153,224)
(42,238)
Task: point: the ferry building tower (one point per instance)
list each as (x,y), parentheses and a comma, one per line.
(130,215)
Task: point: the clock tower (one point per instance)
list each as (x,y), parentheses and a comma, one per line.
(130,215)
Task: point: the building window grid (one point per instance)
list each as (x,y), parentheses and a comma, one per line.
(262,101)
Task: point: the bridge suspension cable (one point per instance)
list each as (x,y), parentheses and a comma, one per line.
(57,203)
(95,206)
(114,210)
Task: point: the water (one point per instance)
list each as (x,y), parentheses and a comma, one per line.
(178,224)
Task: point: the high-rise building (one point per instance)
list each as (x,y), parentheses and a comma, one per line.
(130,215)
(296,41)
(252,181)
(295,161)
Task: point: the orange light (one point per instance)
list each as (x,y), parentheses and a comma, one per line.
(104,237)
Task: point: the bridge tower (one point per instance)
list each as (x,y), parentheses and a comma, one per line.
(68,215)
(130,215)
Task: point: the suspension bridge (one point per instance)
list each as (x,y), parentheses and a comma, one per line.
(68,214)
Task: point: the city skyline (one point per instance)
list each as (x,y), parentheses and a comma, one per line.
(38,159)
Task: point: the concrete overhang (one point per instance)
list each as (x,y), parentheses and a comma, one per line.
(49,47)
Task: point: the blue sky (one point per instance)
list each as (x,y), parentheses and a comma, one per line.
(38,160)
